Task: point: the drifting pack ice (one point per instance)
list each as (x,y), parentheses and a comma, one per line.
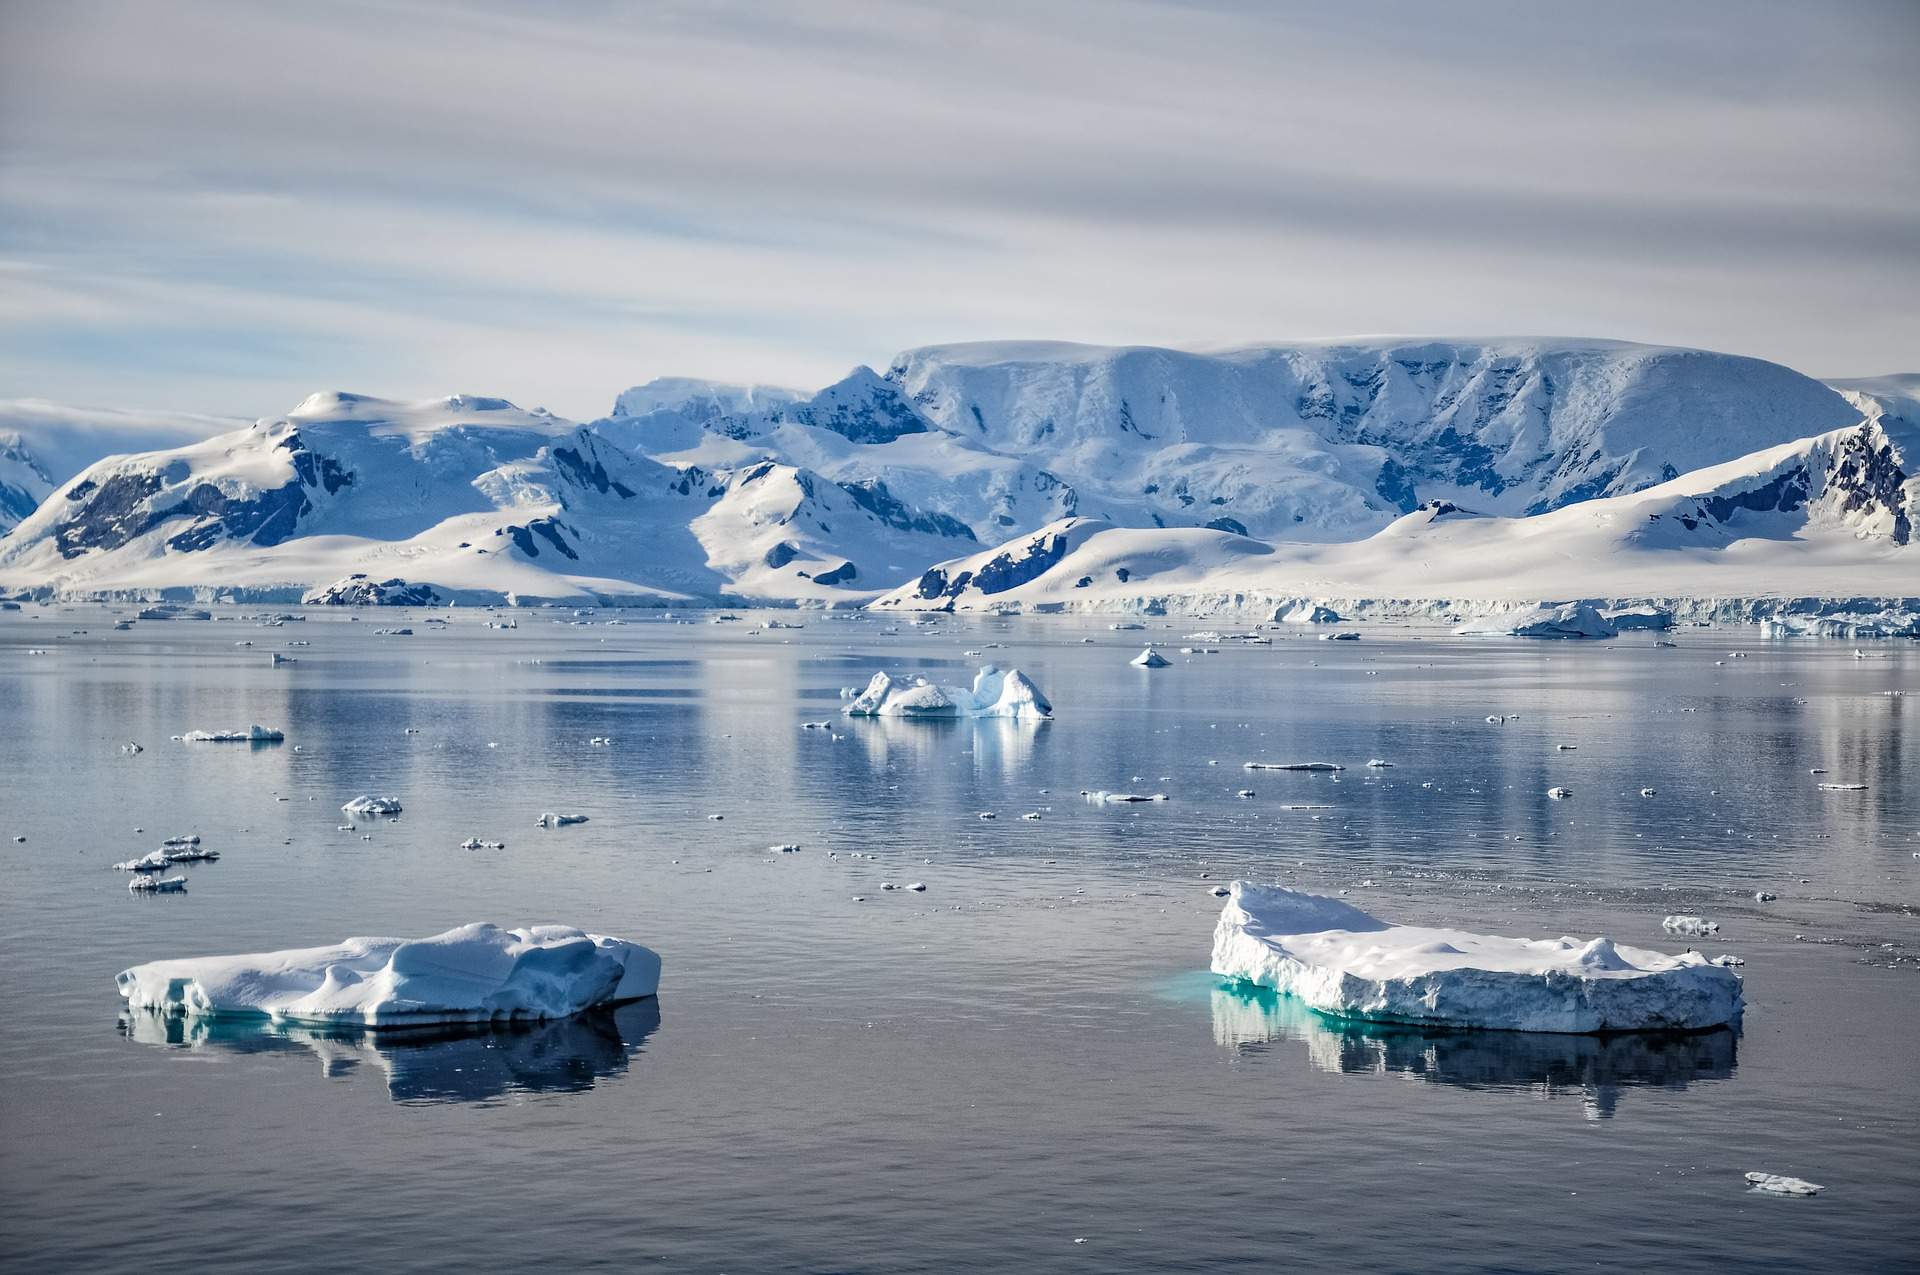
(476,973)
(1341,961)
(995,693)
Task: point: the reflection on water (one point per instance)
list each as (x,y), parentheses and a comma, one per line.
(1597,1067)
(462,1062)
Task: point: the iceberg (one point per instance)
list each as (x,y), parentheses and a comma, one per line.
(157,885)
(1777,1184)
(1344,962)
(1292,765)
(370,805)
(552,820)
(1150,658)
(475,973)
(1311,613)
(995,693)
(1574,620)
(254,734)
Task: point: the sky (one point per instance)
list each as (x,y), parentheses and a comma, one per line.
(219,208)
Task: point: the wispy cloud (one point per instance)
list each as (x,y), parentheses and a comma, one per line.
(219,206)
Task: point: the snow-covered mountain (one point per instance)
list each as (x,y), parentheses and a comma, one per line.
(470,497)
(1832,516)
(1320,442)
(43,444)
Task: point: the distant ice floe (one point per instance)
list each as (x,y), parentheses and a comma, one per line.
(254,734)
(996,693)
(475,843)
(371,805)
(476,973)
(157,885)
(1342,961)
(553,820)
(1559,794)
(1104,798)
(1776,1184)
(1573,620)
(1683,924)
(1292,765)
(1150,658)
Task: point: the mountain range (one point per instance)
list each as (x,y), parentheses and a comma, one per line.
(1407,468)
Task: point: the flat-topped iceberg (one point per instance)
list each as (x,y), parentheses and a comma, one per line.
(476,973)
(1574,620)
(254,734)
(996,693)
(1342,961)
(371,805)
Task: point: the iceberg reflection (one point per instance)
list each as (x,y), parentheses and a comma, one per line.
(1598,1068)
(463,1062)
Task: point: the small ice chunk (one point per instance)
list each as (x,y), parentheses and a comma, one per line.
(371,805)
(1150,658)
(1104,798)
(1764,896)
(1646,792)
(1559,794)
(1377,764)
(1681,923)
(1292,765)
(1776,1184)
(158,885)
(551,819)
(475,843)
(918,887)
(1841,787)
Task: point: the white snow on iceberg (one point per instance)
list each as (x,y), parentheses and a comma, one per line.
(1574,620)
(995,693)
(1342,961)
(476,973)
(371,805)
(254,734)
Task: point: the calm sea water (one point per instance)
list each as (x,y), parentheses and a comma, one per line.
(1027,1066)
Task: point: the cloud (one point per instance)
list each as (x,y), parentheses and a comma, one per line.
(222,206)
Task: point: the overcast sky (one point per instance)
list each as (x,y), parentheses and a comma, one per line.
(218,208)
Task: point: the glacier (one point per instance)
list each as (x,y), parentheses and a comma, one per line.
(475,973)
(1344,962)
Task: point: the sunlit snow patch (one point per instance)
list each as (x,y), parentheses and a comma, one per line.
(1342,961)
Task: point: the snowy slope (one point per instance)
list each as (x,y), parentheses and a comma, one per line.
(1319,441)
(1832,516)
(43,444)
(471,496)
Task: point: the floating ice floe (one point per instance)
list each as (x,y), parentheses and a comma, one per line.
(476,973)
(155,862)
(1776,1184)
(1150,658)
(131,747)
(157,885)
(1683,924)
(553,820)
(475,843)
(1377,764)
(1345,635)
(1647,792)
(996,693)
(785,848)
(1841,787)
(370,805)
(1573,620)
(1342,961)
(1764,896)
(255,734)
(1559,794)
(1292,765)
(1104,798)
